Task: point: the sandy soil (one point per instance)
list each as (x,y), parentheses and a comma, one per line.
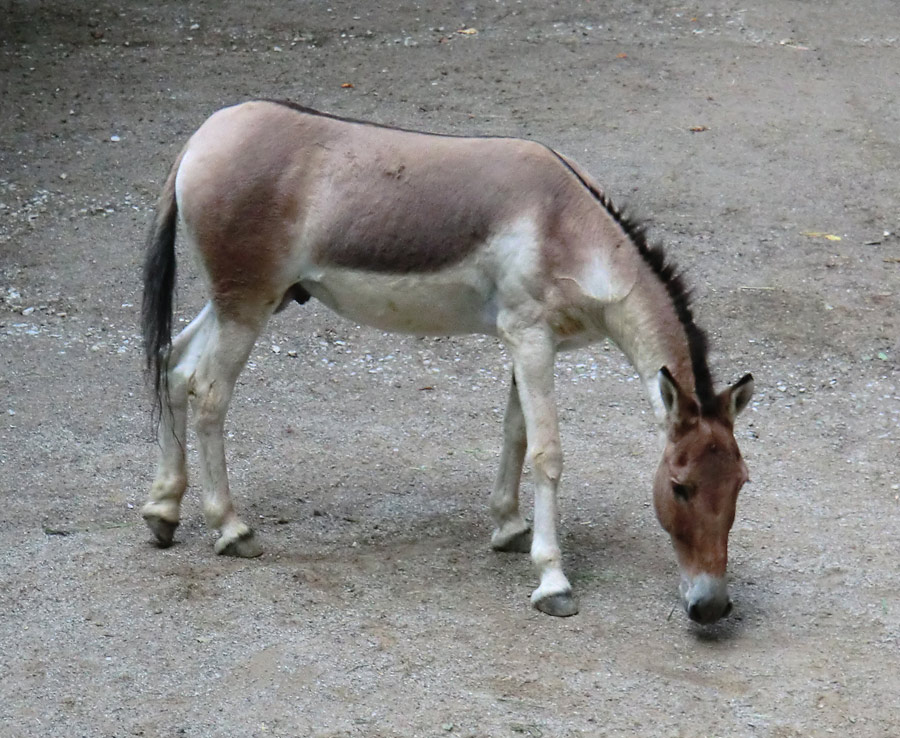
(378,608)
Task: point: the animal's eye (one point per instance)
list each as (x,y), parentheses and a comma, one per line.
(681,491)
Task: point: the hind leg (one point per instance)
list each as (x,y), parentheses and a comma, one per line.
(163,508)
(223,357)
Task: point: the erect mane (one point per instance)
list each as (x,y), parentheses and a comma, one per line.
(677,289)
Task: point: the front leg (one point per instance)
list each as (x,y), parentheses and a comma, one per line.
(512,532)
(533,352)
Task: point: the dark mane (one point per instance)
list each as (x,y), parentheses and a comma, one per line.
(678,291)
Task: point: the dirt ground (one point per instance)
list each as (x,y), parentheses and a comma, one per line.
(759,141)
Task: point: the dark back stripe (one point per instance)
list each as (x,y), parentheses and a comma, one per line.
(678,291)
(310,111)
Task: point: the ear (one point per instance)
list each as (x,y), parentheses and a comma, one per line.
(736,397)
(679,406)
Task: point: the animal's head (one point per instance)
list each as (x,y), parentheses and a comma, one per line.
(696,489)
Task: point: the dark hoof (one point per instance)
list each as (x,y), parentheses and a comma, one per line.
(164,530)
(519,543)
(561,605)
(245,547)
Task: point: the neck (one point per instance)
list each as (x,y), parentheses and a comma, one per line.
(653,327)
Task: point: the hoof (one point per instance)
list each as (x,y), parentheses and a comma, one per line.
(164,530)
(560,605)
(518,543)
(244,546)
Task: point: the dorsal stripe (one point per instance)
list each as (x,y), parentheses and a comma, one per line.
(372,124)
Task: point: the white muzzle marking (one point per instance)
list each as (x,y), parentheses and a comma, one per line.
(705,598)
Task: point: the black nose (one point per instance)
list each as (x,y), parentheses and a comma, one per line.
(708,611)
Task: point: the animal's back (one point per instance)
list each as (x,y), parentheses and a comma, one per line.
(274,196)
(367,196)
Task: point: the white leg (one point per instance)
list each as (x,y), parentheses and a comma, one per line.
(217,371)
(533,353)
(163,509)
(512,532)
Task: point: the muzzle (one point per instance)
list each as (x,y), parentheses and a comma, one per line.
(705,598)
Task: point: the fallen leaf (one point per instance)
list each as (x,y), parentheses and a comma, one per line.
(820,234)
(56,531)
(468,31)
(347,85)
(698,129)
(789,42)
(623,55)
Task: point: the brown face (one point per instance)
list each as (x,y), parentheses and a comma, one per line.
(695,493)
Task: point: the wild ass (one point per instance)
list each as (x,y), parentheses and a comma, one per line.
(433,235)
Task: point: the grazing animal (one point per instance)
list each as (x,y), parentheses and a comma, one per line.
(433,235)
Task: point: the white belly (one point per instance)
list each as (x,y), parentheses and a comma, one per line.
(458,300)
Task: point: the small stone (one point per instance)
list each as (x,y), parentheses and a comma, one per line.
(28,311)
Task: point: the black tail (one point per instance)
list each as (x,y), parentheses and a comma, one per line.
(159,286)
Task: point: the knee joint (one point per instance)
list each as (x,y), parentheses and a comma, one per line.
(547,460)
